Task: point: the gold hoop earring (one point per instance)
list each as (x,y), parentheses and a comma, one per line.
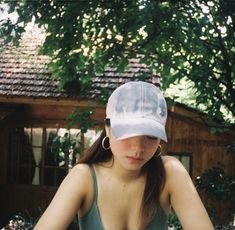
(103,143)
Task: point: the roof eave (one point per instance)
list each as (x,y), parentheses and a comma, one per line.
(49,101)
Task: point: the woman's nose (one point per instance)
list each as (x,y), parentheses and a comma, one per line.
(138,144)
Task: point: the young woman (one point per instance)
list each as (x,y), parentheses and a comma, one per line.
(123,182)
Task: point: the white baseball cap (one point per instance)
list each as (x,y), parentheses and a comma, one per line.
(137,108)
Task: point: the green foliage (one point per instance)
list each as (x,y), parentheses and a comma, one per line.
(66,149)
(217,185)
(18,223)
(178,39)
(27,221)
(82,118)
(173,221)
(24,221)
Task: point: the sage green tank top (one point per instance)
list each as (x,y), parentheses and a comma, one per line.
(92,220)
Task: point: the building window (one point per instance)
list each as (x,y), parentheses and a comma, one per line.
(185,159)
(36,159)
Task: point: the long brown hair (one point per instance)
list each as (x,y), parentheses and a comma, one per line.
(155,177)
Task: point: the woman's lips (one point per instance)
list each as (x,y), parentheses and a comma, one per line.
(134,159)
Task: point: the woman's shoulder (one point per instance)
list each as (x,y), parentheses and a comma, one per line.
(169,160)
(80,178)
(80,173)
(176,174)
(81,167)
(81,170)
(173,165)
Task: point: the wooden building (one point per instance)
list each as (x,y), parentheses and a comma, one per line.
(33,110)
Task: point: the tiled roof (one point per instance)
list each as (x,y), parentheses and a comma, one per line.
(24,73)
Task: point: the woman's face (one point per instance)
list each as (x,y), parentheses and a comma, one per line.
(132,153)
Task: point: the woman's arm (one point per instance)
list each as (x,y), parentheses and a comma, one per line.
(185,199)
(67,200)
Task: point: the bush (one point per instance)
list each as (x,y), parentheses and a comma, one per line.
(173,221)
(218,186)
(18,223)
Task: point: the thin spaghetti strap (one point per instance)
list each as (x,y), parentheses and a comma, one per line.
(94,181)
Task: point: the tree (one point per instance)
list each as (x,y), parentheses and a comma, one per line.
(178,39)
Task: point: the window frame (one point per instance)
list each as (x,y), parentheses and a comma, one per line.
(19,145)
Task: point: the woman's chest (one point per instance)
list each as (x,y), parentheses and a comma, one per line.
(120,210)
(119,205)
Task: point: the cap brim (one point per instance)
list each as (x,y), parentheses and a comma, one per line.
(125,128)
